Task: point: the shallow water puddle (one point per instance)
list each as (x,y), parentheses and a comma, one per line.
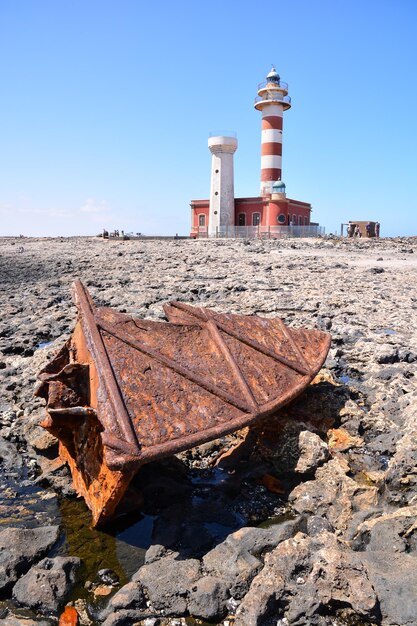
(344,379)
(44,344)
(24,504)
(121,547)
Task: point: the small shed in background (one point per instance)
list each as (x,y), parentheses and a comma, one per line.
(361,224)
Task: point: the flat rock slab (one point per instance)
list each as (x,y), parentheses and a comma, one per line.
(19,548)
(239,558)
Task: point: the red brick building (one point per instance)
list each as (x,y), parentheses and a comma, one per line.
(268,213)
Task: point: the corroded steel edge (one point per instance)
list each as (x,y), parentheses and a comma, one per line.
(108,388)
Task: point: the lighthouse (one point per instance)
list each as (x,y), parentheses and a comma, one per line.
(272,100)
(272,214)
(222,196)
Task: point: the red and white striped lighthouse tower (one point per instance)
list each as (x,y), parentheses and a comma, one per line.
(272,100)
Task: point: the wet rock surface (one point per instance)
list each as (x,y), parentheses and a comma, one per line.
(333,476)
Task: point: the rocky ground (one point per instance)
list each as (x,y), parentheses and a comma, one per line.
(309,519)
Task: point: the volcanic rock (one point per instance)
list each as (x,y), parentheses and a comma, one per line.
(333,494)
(238,559)
(46,585)
(167,582)
(314,452)
(19,548)
(208,598)
(302,578)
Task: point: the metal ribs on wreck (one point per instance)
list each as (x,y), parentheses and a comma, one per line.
(125,391)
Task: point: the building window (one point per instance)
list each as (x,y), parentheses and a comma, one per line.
(294,219)
(242,219)
(201,220)
(256,219)
(306,221)
(300,220)
(281,218)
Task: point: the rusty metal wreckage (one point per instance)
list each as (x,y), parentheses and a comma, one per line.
(123,391)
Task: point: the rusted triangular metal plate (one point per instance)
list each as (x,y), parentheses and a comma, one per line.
(126,391)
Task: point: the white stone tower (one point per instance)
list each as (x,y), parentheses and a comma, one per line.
(222,196)
(272,100)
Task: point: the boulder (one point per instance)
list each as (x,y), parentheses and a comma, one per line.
(208,599)
(314,452)
(401,475)
(392,532)
(386,353)
(340,440)
(316,525)
(9,456)
(167,582)
(129,597)
(128,617)
(46,585)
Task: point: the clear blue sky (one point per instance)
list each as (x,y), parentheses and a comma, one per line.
(106,107)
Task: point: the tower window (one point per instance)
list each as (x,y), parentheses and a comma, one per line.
(202,220)
(242,219)
(256,219)
(216,193)
(281,218)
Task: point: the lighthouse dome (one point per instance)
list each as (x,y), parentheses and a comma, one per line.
(273,76)
(278,187)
